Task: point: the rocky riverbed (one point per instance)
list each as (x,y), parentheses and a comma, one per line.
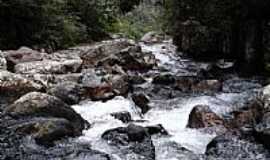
(125,100)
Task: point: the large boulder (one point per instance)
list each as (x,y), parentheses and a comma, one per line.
(101,50)
(131,140)
(99,85)
(47,130)
(201,116)
(13,85)
(70,92)
(37,104)
(22,55)
(49,67)
(131,58)
(95,85)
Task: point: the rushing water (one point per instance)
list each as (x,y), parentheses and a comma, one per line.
(172,114)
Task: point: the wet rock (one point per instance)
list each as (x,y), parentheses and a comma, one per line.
(262,130)
(46,130)
(131,140)
(249,115)
(95,85)
(201,117)
(169,150)
(133,58)
(207,86)
(125,117)
(166,79)
(12,86)
(22,55)
(120,84)
(50,80)
(185,83)
(152,37)
(238,85)
(136,79)
(49,67)
(37,104)
(69,92)
(229,146)
(156,129)
(141,101)
(93,78)
(99,51)
(3,62)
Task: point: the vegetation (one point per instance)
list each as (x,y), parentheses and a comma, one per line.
(232,29)
(56,24)
(50,23)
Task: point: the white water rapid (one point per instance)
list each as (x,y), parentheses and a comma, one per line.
(171,114)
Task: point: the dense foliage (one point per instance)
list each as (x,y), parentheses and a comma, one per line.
(55,24)
(232,29)
(49,23)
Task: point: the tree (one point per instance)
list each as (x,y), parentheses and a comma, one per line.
(233,29)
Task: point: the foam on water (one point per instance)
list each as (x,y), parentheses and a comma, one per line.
(172,114)
(164,52)
(174,120)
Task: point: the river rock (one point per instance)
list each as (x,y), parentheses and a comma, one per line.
(169,150)
(47,130)
(49,67)
(70,92)
(141,101)
(95,85)
(166,79)
(37,104)
(131,140)
(202,116)
(132,58)
(125,117)
(120,84)
(13,85)
(238,85)
(15,146)
(229,146)
(185,84)
(22,55)
(156,129)
(152,37)
(3,61)
(101,50)
(207,86)
(136,79)
(249,115)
